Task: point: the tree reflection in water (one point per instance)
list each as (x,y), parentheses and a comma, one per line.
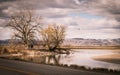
(52,59)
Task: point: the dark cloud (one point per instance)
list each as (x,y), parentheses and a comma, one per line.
(36,5)
(108,8)
(2,15)
(6,1)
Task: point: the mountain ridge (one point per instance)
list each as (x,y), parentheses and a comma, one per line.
(79,42)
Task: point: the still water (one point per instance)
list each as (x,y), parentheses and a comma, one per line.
(82,57)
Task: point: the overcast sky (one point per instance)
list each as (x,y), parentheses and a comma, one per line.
(99,19)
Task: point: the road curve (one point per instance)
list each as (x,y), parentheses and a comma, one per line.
(25,68)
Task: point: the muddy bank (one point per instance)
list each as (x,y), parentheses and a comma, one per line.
(112,58)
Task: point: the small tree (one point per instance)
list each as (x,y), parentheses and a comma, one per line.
(24,25)
(53,36)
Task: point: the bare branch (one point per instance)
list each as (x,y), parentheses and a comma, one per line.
(25,25)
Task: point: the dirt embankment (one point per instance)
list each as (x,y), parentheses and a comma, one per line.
(112,58)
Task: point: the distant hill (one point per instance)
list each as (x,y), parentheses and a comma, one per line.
(7,41)
(4,42)
(78,42)
(92,42)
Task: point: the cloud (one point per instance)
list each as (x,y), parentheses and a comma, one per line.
(109,8)
(5,33)
(83,18)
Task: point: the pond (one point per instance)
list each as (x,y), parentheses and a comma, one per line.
(79,57)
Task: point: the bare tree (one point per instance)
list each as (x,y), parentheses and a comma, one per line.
(53,36)
(24,24)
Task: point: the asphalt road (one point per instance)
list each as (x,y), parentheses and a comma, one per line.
(12,67)
(4,71)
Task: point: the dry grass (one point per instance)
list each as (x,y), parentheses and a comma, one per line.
(92,47)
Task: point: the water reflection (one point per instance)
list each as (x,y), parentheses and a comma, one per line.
(53,59)
(77,57)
